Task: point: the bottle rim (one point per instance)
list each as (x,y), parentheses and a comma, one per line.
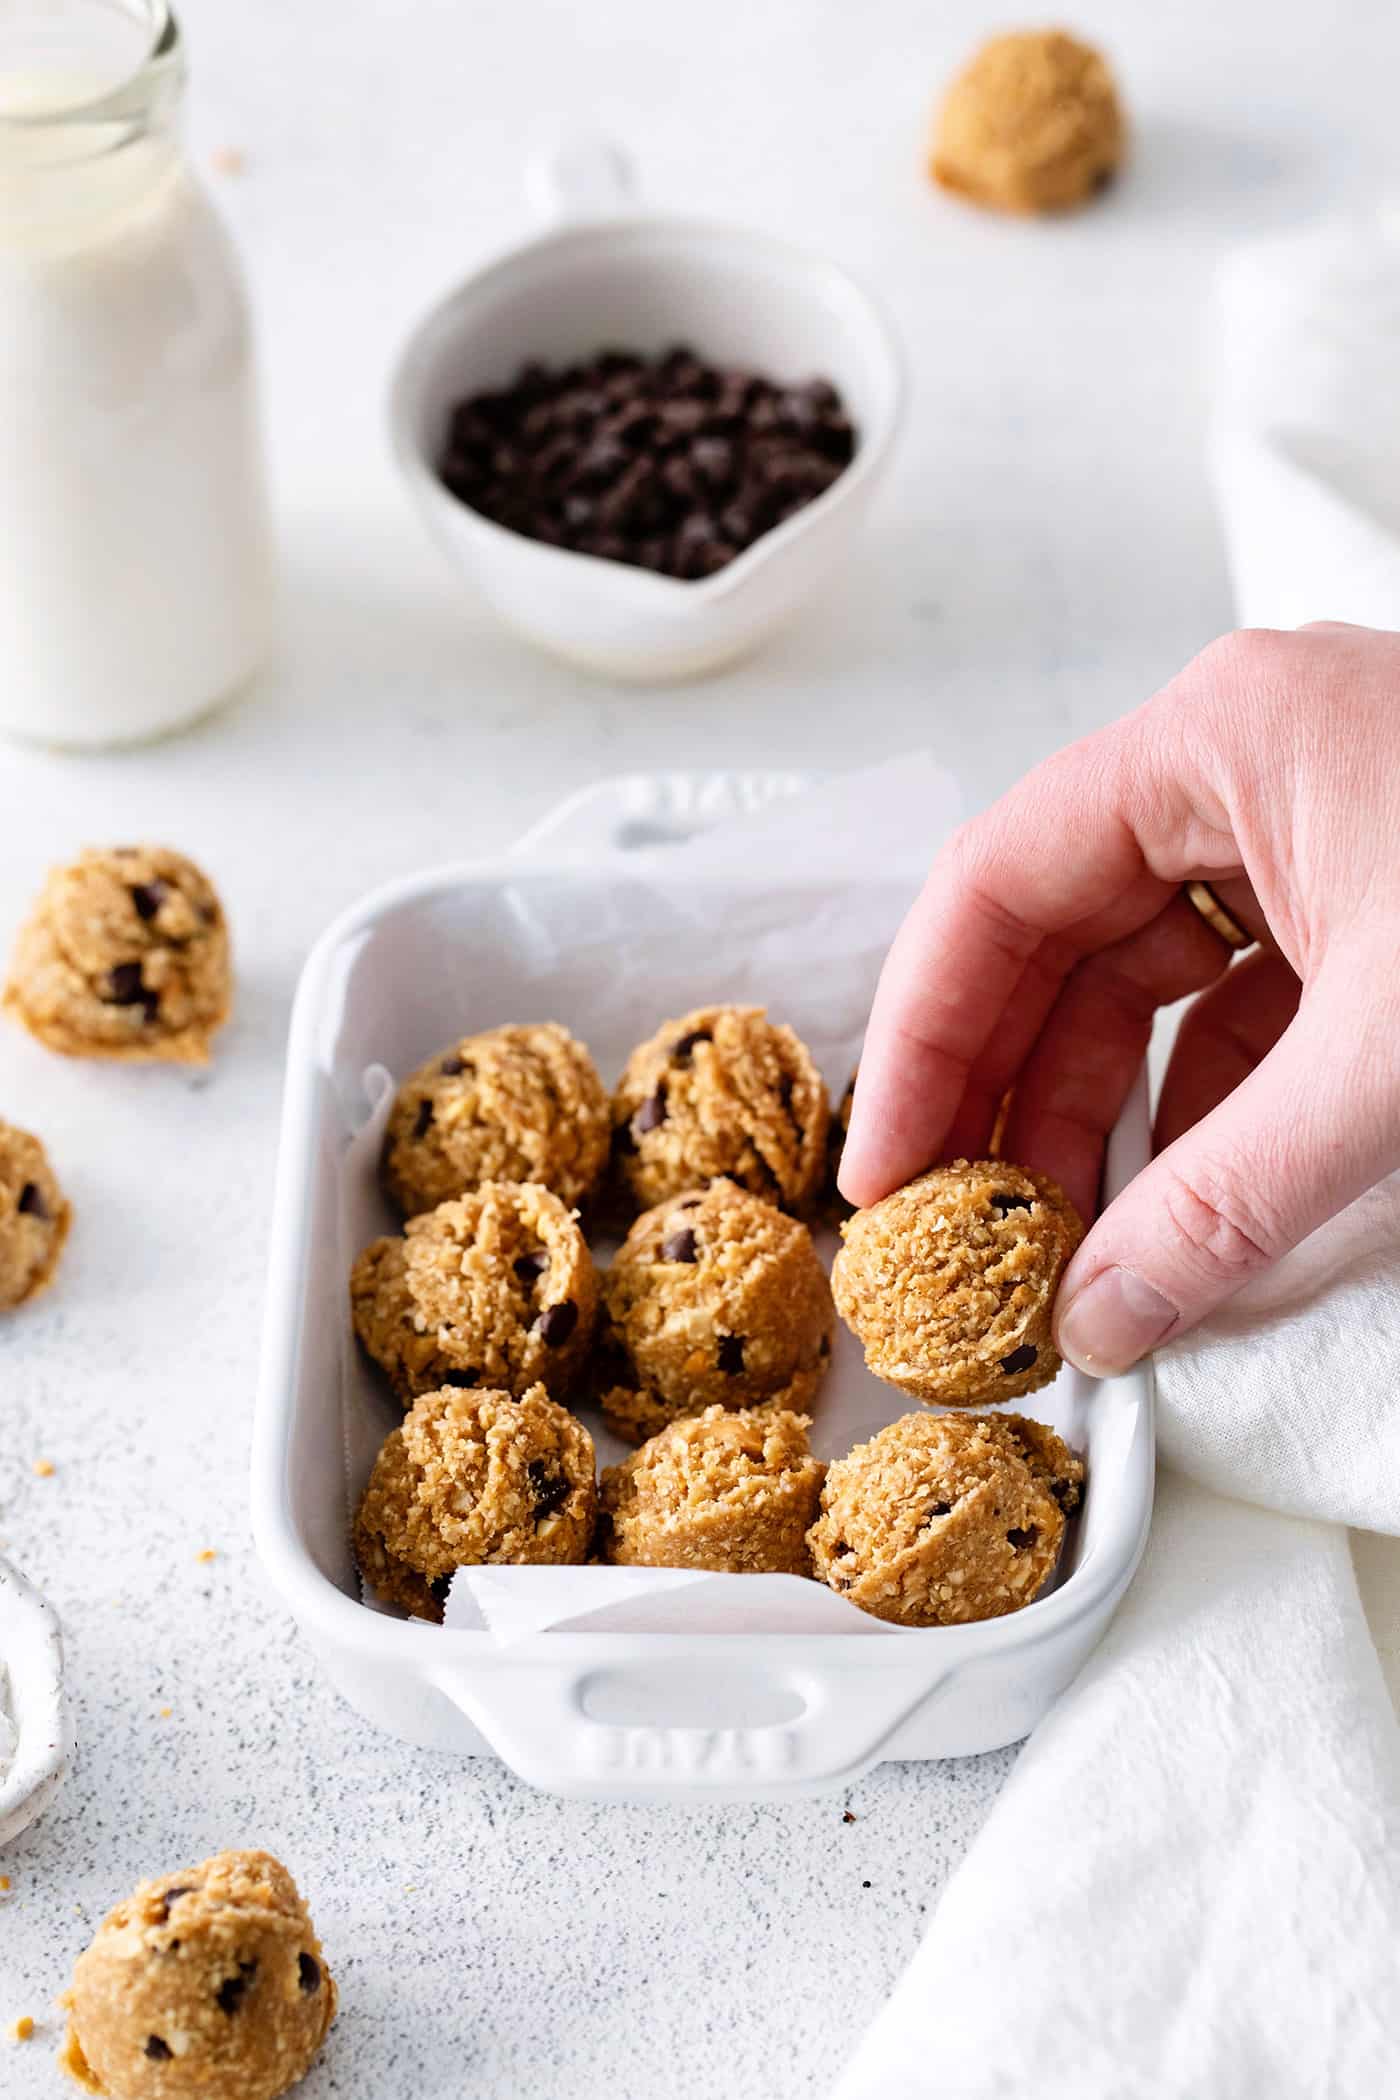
(131,104)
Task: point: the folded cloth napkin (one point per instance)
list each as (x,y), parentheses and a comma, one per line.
(1190,1887)
(1305,439)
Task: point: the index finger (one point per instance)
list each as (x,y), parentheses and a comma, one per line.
(1086,849)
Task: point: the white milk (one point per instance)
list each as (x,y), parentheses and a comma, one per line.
(135,571)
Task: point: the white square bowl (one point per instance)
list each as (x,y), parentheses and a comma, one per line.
(611,945)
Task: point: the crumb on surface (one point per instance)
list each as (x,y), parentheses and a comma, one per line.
(43,1467)
(228,160)
(165,1713)
(23,2029)
(4,1882)
(208,1553)
(848,1816)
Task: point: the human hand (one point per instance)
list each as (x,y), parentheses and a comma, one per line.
(1052,927)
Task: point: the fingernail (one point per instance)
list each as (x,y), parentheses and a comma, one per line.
(1113,1321)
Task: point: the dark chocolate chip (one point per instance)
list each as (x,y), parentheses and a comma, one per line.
(124,985)
(680,1245)
(159,2052)
(680,1050)
(731,1354)
(940,1509)
(556,1323)
(840,1550)
(548,1491)
(31,1201)
(1019,1539)
(623,1140)
(1066,1493)
(529,1267)
(652,1113)
(1019,1360)
(690,1203)
(172,1896)
(452,1066)
(1002,1204)
(824,1346)
(423,1118)
(308,1973)
(461,1378)
(233,1989)
(148,897)
(439,1589)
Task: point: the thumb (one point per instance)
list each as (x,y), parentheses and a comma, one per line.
(1311,1128)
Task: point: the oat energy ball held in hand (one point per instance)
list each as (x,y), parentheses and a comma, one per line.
(34,1217)
(514,1104)
(950,1282)
(725,1491)
(209,1982)
(722,1091)
(714,1299)
(1032,124)
(125,955)
(471,1478)
(943,1518)
(496,1288)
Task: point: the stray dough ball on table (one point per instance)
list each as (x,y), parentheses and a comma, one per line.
(723,1490)
(714,1298)
(1032,124)
(514,1104)
(943,1518)
(722,1091)
(496,1288)
(209,1982)
(473,1477)
(950,1282)
(34,1217)
(125,955)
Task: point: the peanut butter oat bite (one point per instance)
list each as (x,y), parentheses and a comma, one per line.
(943,1518)
(34,1217)
(209,1982)
(473,1477)
(722,1490)
(514,1104)
(1032,124)
(496,1288)
(722,1091)
(714,1299)
(950,1282)
(126,956)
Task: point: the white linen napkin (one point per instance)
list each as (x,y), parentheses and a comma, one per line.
(1305,441)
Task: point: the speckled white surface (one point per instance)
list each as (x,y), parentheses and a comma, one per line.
(1046,554)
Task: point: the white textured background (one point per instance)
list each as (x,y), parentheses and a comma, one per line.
(1045,556)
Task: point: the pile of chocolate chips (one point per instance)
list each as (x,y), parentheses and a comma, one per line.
(668,463)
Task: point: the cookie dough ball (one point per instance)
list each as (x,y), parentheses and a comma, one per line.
(473,1477)
(950,1282)
(733,1491)
(1032,124)
(514,1104)
(496,1288)
(125,955)
(34,1217)
(943,1518)
(722,1091)
(208,1982)
(713,1299)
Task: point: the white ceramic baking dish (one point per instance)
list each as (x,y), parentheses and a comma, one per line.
(32,1695)
(685,1713)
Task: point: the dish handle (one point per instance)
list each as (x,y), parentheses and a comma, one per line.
(534,1718)
(575,177)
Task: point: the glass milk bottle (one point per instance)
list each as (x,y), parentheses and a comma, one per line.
(135,570)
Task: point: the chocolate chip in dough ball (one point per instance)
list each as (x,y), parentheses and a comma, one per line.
(513,1104)
(722,1091)
(471,1478)
(125,956)
(1032,124)
(496,1288)
(734,1491)
(940,1519)
(34,1217)
(207,1982)
(950,1282)
(714,1299)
